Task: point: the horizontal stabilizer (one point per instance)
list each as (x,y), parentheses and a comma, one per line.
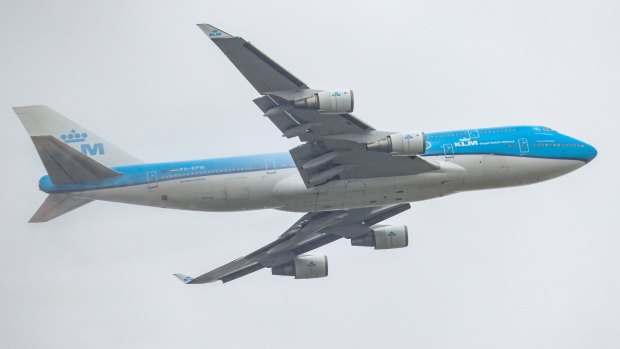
(56,205)
(66,165)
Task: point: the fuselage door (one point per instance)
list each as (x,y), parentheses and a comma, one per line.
(523,146)
(270,166)
(151,179)
(448,150)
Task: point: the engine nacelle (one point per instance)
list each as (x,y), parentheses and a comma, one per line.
(303,267)
(401,144)
(384,237)
(328,102)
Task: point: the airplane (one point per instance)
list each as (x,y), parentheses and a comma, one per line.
(346,176)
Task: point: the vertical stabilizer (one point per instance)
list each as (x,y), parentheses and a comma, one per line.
(40,120)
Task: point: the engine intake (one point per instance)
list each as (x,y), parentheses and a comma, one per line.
(400,144)
(384,237)
(328,102)
(303,267)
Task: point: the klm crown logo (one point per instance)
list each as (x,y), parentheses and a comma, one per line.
(312,264)
(74,136)
(391,234)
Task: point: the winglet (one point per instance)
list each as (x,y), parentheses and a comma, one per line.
(186,279)
(213,32)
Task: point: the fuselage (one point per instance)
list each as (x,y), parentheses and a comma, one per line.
(468,159)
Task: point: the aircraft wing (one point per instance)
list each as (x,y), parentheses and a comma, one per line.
(313,230)
(335,143)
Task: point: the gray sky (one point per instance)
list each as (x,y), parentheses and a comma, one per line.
(534,267)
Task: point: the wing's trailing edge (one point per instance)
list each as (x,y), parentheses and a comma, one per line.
(262,72)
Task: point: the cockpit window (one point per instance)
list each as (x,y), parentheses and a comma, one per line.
(543,129)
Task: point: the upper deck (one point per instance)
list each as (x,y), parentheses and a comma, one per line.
(522,141)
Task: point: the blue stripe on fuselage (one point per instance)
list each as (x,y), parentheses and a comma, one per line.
(541,142)
(165,171)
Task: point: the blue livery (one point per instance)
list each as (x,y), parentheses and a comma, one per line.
(519,141)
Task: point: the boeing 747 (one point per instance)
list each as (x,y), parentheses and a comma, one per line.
(346,176)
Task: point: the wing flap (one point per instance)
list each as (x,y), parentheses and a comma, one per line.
(241,272)
(317,158)
(319,125)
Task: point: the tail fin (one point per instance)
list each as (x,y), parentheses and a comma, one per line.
(70,154)
(41,120)
(56,205)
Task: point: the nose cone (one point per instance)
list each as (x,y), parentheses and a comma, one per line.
(583,152)
(589,152)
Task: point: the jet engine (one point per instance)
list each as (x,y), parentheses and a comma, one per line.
(303,267)
(400,144)
(328,102)
(384,237)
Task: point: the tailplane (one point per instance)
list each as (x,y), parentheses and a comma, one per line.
(56,205)
(66,165)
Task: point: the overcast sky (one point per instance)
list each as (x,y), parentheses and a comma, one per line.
(528,267)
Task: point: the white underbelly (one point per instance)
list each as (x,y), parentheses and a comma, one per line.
(285,189)
(229,192)
(494,171)
(366,192)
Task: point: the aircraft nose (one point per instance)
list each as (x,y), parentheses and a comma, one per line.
(589,152)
